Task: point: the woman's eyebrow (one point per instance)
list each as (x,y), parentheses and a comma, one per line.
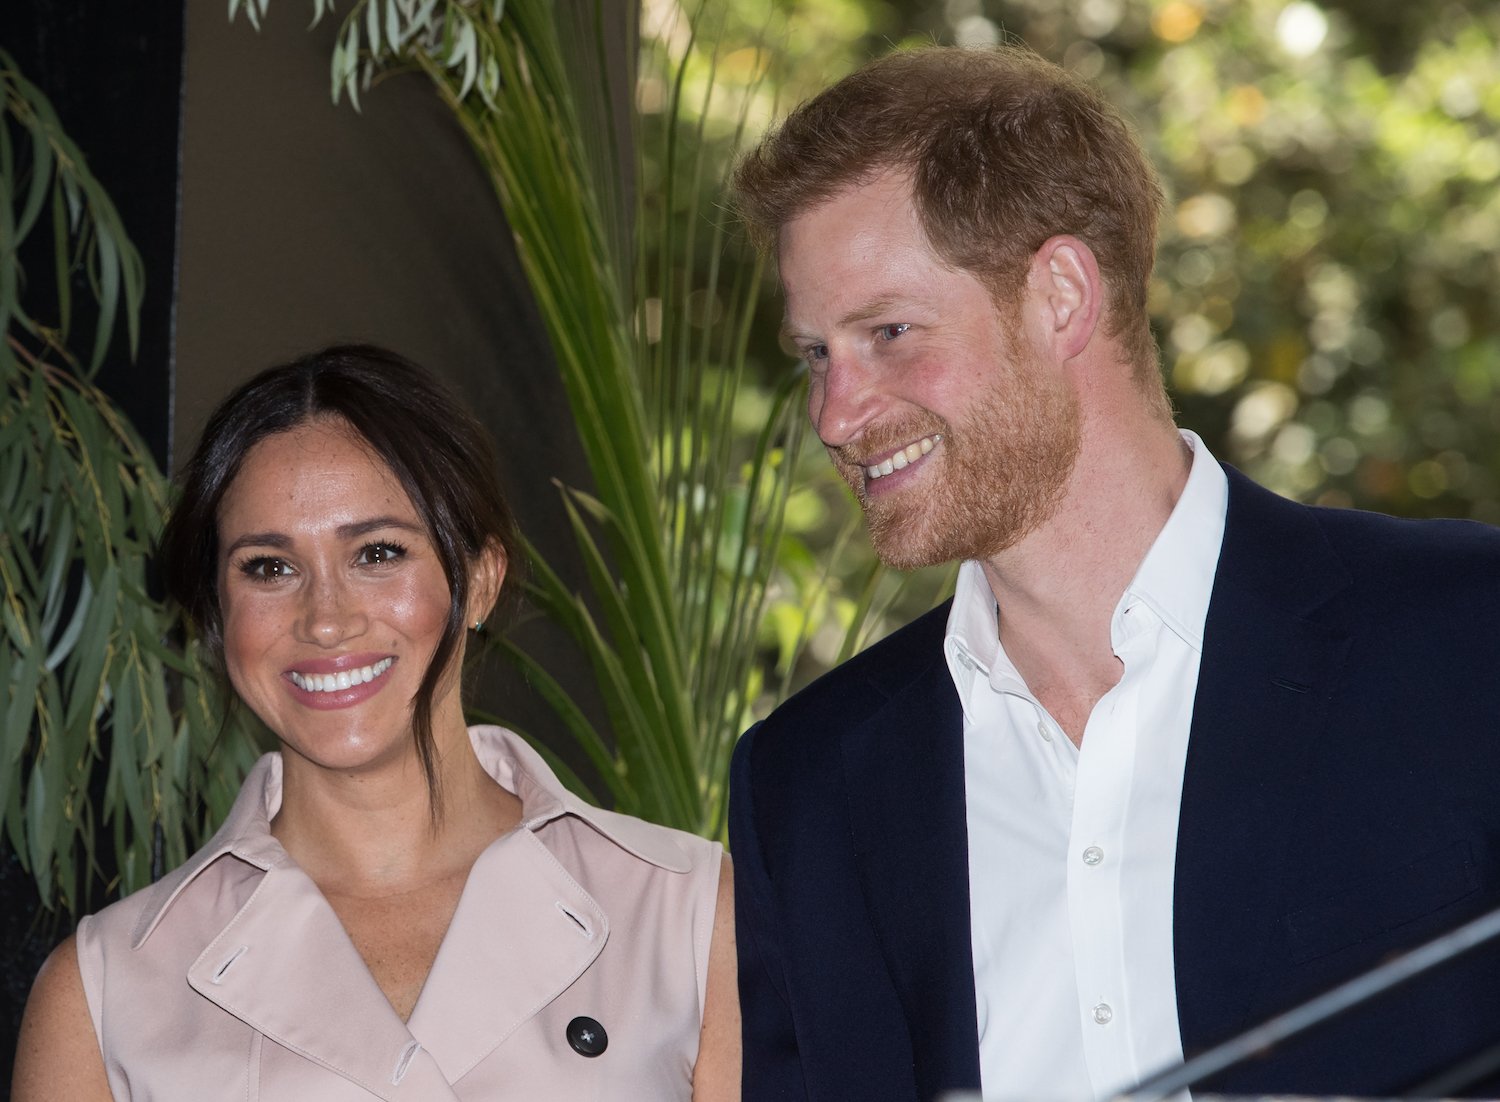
(259,539)
(353,530)
(357,528)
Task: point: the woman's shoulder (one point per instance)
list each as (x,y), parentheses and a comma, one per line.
(57,1053)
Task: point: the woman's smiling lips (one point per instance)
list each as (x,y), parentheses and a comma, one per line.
(326,683)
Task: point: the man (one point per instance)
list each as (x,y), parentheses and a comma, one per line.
(1179,754)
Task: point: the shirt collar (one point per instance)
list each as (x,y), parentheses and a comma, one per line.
(1175,580)
(972,644)
(504,755)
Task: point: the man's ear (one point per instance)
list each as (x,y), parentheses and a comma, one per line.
(486,576)
(1064,282)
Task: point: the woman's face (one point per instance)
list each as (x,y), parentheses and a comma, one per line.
(333,598)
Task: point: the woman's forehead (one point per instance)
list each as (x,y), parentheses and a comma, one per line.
(321,468)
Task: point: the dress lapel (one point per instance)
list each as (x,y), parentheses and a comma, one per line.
(904,775)
(522,933)
(1273,653)
(285,967)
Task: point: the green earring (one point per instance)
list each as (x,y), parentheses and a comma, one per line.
(478,625)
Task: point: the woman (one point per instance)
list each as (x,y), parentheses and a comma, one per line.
(396,907)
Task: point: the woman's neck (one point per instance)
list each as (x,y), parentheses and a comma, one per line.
(373,831)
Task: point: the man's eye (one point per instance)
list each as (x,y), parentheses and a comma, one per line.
(815,353)
(374,554)
(891,332)
(265,568)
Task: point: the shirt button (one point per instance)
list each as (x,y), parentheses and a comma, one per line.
(1041,729)
(1093,856)
(1103,1015)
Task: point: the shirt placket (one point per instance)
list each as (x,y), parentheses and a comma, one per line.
(1096,861)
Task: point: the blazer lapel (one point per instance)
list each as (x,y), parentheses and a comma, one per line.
(905,784)
(1272,655)
(285,967)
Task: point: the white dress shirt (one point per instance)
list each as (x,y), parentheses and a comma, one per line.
(1072,851)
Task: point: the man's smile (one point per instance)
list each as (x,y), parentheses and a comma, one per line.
(902,458)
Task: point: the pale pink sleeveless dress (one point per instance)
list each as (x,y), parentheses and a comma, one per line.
(232,978)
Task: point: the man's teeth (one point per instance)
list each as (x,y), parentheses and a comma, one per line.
(906,456)
(344,679)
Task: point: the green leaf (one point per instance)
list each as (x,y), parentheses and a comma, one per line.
(109,295)
(372,26)
(62,259)
(36,192)
(44,808)
(351,61)
(25,674)
(467,49)
(63,648)
(394,37)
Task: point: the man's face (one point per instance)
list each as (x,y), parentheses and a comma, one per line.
(953,435)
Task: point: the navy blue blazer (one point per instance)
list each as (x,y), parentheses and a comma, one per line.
(1341,802)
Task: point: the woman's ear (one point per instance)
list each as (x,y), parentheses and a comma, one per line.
(486,576)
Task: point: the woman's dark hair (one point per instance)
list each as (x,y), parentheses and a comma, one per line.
(442,456)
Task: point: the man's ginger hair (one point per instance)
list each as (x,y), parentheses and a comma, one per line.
(1004,150)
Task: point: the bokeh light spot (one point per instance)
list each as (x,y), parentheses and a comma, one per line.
(1176,21)
(1301,28)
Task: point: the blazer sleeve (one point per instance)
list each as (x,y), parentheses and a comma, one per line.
(772,1062)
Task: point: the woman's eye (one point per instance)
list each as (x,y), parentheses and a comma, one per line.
(891,332)
(265,568)
(375,554)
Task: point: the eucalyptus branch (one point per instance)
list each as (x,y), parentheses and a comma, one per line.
(87,232)
(91,744)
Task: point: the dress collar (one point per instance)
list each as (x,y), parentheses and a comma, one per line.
(504,755)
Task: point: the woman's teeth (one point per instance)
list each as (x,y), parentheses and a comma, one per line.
(905,457)
(344,679)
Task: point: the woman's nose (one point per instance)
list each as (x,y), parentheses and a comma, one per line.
(331,614)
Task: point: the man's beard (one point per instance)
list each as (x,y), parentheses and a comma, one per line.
(1002,472)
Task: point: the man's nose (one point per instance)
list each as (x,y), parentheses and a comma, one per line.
(331,614)
(843,400)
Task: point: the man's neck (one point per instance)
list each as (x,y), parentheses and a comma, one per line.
(1057,589)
